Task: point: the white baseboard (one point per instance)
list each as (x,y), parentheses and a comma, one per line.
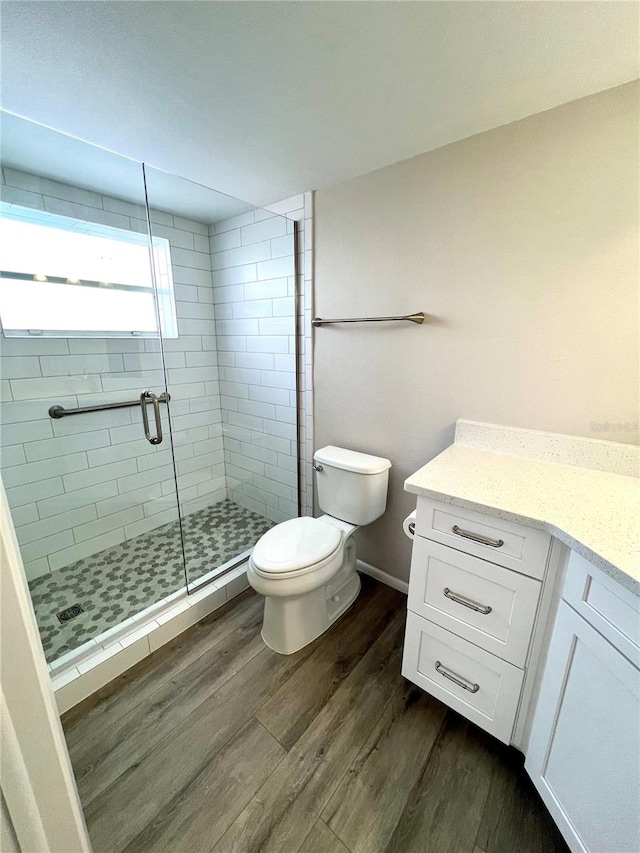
(383,577)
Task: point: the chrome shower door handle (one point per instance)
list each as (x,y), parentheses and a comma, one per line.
(158,419)
(145,397)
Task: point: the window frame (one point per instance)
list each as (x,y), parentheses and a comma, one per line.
(160,269)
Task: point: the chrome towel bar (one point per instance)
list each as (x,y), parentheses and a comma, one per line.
(419,318)
(60,412)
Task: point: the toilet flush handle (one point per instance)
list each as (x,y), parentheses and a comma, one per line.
(317,467)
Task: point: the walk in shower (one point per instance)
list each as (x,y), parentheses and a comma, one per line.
(149,406)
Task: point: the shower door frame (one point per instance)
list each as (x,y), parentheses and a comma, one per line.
(217,572)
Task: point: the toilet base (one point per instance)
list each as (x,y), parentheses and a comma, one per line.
(291,623)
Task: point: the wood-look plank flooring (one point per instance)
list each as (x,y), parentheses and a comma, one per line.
(216,744)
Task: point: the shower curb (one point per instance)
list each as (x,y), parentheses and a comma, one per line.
(81,672)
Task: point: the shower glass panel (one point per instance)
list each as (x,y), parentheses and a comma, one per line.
(231,369)
(88,470)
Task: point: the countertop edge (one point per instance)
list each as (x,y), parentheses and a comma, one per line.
(610,569)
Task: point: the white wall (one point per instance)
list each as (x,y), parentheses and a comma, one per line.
(81,484)
(522,246)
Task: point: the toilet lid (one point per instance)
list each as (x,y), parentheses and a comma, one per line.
(295,544)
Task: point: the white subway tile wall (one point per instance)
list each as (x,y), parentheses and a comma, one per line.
(81,484)
(254,287)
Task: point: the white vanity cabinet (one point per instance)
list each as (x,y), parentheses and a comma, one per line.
(584,750)
(474,591)
(509,625)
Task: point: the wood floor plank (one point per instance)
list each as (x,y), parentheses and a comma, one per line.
(94,716)
(322,840)
(147,786)
(290,710)
(382,776)
(445,807)
(199,814)
(99,761)
(282,813)
(514,817)
(180,751)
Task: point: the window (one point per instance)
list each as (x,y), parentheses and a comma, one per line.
(64,277)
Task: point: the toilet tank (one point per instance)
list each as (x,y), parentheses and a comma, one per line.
(351,486)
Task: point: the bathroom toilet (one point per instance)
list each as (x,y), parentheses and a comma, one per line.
(306,567)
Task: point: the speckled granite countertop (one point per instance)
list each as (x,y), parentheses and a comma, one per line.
(593,508)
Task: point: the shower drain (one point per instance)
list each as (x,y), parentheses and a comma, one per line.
(69,613)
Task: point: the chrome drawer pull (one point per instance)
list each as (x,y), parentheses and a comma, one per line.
(471,686)
(467,602)
(477,537)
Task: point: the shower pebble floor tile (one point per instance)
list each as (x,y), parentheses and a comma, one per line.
(118,583)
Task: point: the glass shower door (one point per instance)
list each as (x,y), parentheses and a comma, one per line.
(231,369)
(86,456)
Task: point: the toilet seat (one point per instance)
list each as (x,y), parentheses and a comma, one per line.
(294,546)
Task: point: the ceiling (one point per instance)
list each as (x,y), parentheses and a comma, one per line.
(34,148)
(262,100)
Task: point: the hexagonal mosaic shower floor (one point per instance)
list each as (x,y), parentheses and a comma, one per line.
(115,584)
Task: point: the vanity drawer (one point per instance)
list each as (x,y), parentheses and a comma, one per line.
(480,686)
(503,542)
(490,606)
